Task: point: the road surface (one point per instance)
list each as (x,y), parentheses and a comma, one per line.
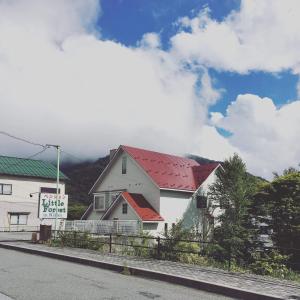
(27,276)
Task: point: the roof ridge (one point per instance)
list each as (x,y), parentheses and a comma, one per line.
(156,152)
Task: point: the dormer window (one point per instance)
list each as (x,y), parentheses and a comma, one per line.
(124,165)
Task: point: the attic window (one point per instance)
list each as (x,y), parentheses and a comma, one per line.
(124,164)
(124,208)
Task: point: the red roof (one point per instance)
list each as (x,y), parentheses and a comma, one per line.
(170,171)
(203,171)
(142,207)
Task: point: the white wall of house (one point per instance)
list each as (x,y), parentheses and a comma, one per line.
(20,200)
(179,205)
(172,206)
(205,188)
(134,181)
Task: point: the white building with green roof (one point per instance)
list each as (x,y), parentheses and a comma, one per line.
(21,182)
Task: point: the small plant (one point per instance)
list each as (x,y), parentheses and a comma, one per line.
(125,270)
(272,264)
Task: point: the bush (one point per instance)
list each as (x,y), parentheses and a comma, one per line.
(79,240)
(272,264)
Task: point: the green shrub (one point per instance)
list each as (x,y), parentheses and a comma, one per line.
(272,264)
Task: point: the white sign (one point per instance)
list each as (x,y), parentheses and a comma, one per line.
(48,205)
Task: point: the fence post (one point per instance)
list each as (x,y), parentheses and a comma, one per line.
(75,238)
(158,247)
(110,241)
(229,258)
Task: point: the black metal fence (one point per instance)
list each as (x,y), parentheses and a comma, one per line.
(165,248)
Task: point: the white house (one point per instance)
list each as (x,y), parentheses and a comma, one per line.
(21,182)
(154,188)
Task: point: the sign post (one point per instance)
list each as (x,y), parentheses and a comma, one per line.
(57,182)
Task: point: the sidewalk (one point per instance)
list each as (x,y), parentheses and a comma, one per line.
(243,286)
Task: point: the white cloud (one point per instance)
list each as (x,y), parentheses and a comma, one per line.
(262,35)
(62,84)
(209,143)
(150,40)
(266,136)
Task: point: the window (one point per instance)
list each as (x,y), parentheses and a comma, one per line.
(5,189)
(18,219)
(99,202)
(124,208)
(124,164)
(48,190)
(201,201)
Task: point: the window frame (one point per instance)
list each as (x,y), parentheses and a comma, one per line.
(18,218)
(2,189)
(103,199)
(48,190)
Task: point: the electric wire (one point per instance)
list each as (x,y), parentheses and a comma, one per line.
(21,139)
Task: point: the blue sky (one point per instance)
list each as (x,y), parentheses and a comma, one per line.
(126,21)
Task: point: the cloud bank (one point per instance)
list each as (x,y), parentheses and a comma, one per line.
(62,83)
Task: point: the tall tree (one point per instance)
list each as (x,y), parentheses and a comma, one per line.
(279,205)
(232,193)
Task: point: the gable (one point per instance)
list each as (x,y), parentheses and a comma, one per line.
(138,207)
(134,180)
(115,211)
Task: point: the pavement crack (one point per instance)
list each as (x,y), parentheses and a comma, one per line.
(149,295)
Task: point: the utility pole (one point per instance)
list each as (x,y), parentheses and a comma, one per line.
(57,184)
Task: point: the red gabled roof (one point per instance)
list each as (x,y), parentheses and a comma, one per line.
(142,207)
(203,171)
(170,171)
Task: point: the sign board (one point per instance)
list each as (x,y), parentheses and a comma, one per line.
(47,206)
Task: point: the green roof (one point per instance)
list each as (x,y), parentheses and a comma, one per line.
(28,167)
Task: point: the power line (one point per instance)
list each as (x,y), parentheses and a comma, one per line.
(21,163)
(21,139)
(72,155)
(36,154)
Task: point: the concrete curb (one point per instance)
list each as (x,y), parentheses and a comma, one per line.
(181,280)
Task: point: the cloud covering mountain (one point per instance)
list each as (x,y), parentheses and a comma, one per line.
(63,83)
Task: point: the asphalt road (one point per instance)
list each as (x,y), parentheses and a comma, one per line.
(27,276)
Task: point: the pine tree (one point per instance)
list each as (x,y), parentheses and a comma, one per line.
(232,193)
(278,203)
